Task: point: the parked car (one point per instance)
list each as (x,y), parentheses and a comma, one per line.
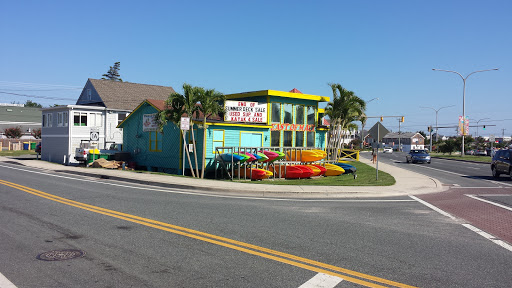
(502,163)
(418,156)
(388,150)
(38,148)
(480,153)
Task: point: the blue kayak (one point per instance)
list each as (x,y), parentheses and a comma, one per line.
(347,167)
(227,157)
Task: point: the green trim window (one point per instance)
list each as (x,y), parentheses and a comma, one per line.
(276,113)
(311,115)
(299,139)
(80,118)
(288,113)
(155,141)
(275,138)
(299,114)
(218,140)
(310,139)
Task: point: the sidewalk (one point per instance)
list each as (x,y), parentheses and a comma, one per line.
(407,182)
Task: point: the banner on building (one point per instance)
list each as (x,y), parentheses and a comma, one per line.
(293,127)
(243,111)
(149,123)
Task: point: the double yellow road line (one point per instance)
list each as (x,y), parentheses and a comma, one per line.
(345,274)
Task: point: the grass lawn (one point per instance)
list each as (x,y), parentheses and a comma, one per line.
(484,159)
(365,177)
(16,153)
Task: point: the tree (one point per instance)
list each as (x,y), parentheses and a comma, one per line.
(344,109)
(33,104)
(422,134)
(448,146)
(36,133)
(13,133)
(177,105)
(113,73)
(211,104)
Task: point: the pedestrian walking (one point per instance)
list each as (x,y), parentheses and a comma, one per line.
(374,155)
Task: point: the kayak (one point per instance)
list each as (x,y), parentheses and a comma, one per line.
(280,155)
(270,154)
(304,155)
(347,167)
(251,156)
(262,157)
(306,171)
(244,157)
(333,170)
(292,172)
(228,157)
(317,169)
(254,174)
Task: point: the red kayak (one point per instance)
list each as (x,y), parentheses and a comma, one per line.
(322,169)
(306,171)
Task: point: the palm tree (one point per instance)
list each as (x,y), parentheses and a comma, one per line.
(211,104)
(344,109)
(177,105)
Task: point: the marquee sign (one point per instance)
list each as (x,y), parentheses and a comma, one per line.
(243,111)
(149,123)
(293,127)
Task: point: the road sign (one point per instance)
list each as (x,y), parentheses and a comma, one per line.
(492,138)
(95,134)
(185,123)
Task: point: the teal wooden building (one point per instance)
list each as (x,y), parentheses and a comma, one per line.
(266,118)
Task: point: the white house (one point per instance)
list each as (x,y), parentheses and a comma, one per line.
(102,105)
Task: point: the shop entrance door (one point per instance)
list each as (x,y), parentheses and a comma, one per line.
(248,139)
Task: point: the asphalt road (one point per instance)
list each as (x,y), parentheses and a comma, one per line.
(397,239)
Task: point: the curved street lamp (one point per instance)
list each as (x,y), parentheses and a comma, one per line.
(464,98)
(437,110)
(477,125)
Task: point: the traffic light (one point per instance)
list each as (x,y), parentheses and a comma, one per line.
(484,127)
(429,128)
(381,118)
(402,120)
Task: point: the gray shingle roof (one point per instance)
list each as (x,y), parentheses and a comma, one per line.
(126,95)
(402,135)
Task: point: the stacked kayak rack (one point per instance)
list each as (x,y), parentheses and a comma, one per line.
(259,163)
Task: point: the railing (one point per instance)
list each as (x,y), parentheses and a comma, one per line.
(293,156)
(16,144)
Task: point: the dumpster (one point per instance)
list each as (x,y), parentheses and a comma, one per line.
(25,146)
(33,145)
(91,157)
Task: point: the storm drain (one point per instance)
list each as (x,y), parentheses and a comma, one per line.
(60,255)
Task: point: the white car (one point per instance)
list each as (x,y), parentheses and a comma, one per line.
(388,150)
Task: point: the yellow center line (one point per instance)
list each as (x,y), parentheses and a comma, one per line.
(260,251)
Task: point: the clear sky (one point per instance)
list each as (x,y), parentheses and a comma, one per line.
(383,49)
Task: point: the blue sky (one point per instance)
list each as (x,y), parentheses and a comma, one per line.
(384,49)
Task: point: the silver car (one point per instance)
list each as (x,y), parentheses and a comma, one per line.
(418,156)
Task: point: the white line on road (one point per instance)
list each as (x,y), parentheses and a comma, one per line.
(489,237)
(5,283)
(176,191)
(490,202)
(432,207)
(322,280)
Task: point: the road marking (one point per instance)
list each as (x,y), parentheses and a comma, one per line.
(308,264)
(469,226)
(489,237)
(432,207)
(5,283)
(490,202)
(178,191)
(321,280)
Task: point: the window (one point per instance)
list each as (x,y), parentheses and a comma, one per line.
(310,139)
(121,117)
(288,111)
(276,112)
(275,138)
(95,120)
(155,141)
(299,114)
(287,138)
(65,119)
(311,115)
(218,140)
(89,94)
(299,139)
(44,120)
(49,119)
(59,119)
(80,119)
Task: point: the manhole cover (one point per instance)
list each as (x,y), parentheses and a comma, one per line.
(60,255)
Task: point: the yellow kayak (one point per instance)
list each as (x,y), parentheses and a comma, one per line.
(304,155)
(333,170)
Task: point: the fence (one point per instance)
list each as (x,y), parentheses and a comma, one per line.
(292,156)
(18,144)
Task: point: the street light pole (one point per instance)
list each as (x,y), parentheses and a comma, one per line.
(437,110)
(464,99)
(362,124)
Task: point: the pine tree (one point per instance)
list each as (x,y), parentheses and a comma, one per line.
(113,73)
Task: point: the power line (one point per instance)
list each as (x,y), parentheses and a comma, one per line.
(37,96)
